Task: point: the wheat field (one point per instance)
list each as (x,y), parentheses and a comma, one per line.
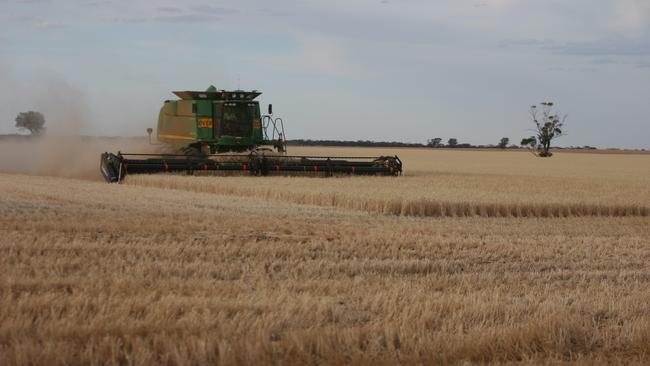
(471,257)
(456,183)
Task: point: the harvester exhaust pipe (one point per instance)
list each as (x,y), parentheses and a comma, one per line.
(149,131)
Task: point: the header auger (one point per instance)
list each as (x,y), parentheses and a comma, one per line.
(220,130)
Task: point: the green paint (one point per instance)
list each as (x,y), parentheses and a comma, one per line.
(213,120)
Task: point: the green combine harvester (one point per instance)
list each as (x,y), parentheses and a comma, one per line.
(219,130)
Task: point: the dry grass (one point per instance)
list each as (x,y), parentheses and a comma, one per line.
(620,167)
(123,274)
(456,184)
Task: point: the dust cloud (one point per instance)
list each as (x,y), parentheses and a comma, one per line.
(63,156)
(62,149)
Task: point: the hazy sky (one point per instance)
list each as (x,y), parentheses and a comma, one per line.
(405,70)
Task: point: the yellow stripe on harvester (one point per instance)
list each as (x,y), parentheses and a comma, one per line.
(175,137)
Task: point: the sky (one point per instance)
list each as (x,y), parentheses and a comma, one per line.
(383,70)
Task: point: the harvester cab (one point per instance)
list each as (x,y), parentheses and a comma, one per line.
(219,130)
(218,121)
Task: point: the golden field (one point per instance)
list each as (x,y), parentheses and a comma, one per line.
(456,183)
(471,257)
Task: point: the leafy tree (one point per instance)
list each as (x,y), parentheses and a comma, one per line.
(548,126)
(503,143)
(435,142)
(529,142)
(452,142)
(32,121)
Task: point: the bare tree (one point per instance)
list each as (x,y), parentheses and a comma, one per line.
(548,126)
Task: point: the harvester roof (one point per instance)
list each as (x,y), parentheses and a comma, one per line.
(213,94)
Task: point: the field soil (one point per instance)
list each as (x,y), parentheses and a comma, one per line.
(471,257)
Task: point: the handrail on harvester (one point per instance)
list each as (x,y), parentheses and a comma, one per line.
(277,133)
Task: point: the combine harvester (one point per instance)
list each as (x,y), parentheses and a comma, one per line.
(218,130)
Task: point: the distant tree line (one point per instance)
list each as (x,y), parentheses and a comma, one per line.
(309,142)
(548,127)
(453,142)
(432,143)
